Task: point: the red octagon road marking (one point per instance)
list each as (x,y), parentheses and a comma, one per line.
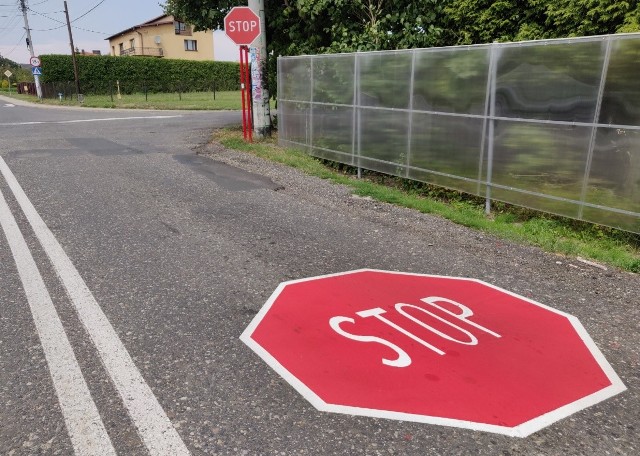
(439,350)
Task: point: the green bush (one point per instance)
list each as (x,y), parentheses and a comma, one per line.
(98,74)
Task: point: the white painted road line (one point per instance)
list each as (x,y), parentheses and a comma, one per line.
(106,119)
(153,425)
(86,429)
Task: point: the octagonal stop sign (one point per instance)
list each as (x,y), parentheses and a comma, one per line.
(242,25)
(438,350)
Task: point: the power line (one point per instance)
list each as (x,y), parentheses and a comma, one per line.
(10,24)
(83,15)
(44,15)
(49,29)
(14,47)
(87,30)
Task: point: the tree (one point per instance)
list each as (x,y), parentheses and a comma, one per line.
(485,21)
(297,27)
(19,73)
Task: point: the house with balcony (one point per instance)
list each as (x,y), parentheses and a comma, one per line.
(164,36)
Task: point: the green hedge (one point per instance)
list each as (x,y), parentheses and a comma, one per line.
(98,74)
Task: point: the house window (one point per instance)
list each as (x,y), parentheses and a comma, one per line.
(132,44)
(113,50)
(190,45)
(180,27)
(121,48)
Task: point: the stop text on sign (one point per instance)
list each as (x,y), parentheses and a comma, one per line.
(462,327)
(242,26)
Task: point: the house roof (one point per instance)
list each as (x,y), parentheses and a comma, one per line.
(160,20)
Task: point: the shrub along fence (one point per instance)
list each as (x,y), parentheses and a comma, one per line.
(101,75)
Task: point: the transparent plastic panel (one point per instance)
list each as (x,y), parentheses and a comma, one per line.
(294,122)
(333,129)
(621,98)
(540,165)
(446,145)
(451,80)
(384,137)
(614,180)
(333,79)
(538,202)
(541,158)
(615,220)
(295,79)
(550,81)
(333,155)
(384,79)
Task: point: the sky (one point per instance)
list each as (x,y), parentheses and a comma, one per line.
(100,19)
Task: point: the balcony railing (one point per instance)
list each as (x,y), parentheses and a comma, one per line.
(143,51)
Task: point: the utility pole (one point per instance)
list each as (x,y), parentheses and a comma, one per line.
(73,52)
(23,7)
(260,95)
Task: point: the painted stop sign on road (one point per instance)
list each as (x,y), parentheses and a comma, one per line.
(438,350)
(242,25)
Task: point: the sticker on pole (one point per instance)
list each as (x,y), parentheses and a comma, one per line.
(438,350)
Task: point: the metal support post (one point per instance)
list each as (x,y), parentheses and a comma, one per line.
(36,77)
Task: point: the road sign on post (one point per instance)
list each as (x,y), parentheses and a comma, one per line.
(438,350)
(242,25)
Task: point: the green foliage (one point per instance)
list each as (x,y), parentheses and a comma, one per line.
(98,74)
(297,27)
(484,21)
(19,73)
(320,26)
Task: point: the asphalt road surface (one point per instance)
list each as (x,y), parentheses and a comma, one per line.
(133,256)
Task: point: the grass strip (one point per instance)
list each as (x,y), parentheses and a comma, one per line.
(161,101)
(551,233)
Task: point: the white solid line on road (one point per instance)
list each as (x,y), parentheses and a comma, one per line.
(86,429)
(9,105)
(105,119)
(153,425)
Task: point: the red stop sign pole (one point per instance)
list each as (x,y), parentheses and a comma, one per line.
(242,26)
(438,350)
(245,93)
